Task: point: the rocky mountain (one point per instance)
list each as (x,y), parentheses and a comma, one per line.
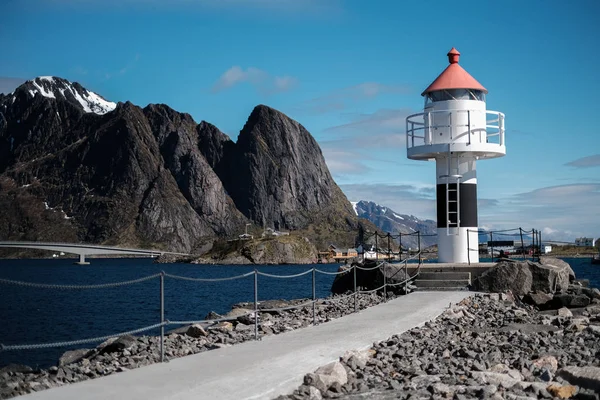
(76,167)
(387,220)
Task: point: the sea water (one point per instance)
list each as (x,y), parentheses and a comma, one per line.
(38,315)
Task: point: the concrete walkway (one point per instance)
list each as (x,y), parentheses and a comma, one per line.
(261,369)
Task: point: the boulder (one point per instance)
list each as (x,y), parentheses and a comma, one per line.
(332,373)
(72,356)
(585,377)
(506,275)
(224,326)
(243,315)
(540,300)
(196,331)
(116,344)
(569,300)
(523,277)
(24,369)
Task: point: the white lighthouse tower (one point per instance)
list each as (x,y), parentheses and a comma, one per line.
(456,130)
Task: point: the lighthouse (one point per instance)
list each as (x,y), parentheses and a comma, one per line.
(455,130)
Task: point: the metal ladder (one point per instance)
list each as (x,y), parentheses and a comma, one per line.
(452,213)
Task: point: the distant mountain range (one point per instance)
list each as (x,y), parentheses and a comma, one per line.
(76,167)
(387,220)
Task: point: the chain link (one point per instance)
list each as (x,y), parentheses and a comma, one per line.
(284,276)
(76,287)
(77,342)
(186,278)
(335,273)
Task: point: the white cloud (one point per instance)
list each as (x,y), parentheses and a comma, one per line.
(343,98)
(284,83)
(258,78)
(562,212)
(383,122)
(586,162)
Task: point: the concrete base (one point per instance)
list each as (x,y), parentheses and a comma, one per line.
(81,263)
(261,369)
(475,269)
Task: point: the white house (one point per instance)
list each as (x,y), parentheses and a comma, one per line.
(585,242)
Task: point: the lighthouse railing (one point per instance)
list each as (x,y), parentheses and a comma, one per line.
(419,127)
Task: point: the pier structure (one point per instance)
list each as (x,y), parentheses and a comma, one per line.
(456,130)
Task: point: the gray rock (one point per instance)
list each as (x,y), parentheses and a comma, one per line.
(332,373)
(586,377)
(495,378)
(196,331)
(72,356)
(116,344)
(522,278)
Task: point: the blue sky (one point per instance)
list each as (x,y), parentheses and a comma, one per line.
(350,72)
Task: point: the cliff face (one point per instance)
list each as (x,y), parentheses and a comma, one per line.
(100,172)
(277,176)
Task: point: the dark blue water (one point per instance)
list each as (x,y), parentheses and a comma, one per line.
(34,315)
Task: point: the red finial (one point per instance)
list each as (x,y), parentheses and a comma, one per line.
(453,56)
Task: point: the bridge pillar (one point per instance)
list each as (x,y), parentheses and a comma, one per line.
(82,260)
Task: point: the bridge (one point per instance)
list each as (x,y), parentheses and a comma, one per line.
(84,250)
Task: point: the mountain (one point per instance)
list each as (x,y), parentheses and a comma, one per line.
(387,220)
(77,167)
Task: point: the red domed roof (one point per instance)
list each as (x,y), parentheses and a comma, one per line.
(454,77)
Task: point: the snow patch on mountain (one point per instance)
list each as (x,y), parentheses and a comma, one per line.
(354,203)
(53,87)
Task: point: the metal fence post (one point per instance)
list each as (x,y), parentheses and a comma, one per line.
(255,304)
(355,293)
(314,292)
(389,248)
(384,284)
(469,246)
(419,241)
(376,247)
(492,242)
(162,316)
(522,245)
(406,277)
(400,244)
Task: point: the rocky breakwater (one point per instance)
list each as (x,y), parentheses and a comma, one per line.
(128,352)
(490,346)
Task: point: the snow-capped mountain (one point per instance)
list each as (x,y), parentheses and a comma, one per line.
(54,87)
(390,221)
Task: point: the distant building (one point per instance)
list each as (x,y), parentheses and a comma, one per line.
(272,232)
(352,253)
(334,251)
(246,236)
(495,246)
(585,242)
(546,248)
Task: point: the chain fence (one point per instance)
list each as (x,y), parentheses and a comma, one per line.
(530,244)
(533,237)
(254,313)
